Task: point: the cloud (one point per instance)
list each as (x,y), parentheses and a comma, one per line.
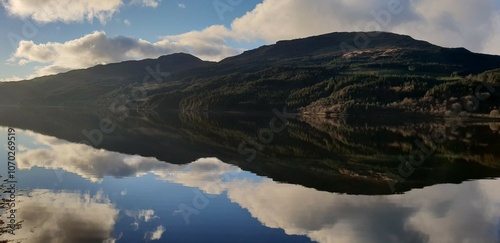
(69,11)
(141,215)
(127,22)
(65,217)
(146,3)
(492,43)
(181,5)
(22,148)
(454,23)
(98,48)
(147,215)
(155,235)
(11,79)
(208,44)
(66,11)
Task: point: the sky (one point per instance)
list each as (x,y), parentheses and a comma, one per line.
(40,38)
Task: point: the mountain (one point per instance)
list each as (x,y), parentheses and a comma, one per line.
(82,87)
(349,72)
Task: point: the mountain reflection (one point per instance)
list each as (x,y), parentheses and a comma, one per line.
(345,155)
(94,164)
(467,212)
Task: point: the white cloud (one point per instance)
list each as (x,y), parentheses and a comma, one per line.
(135,225)
(146,3)
(63,10)
(456,23)
(493,42)
(11,79)
(155,235)
(98,48)
(127,22)
(141,215)
(69,11)
(147,215)
(209,44)
(181,5)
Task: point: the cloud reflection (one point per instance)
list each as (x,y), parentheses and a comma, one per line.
(94,164)
(65,217)
(155,235)
(442,213)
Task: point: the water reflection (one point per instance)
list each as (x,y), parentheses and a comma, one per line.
(445,213)
(49,216)
(113,197)
(350,155)
(94,164)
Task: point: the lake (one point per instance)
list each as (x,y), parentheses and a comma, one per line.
(92,176)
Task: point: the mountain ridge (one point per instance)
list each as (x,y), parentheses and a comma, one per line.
(278,43)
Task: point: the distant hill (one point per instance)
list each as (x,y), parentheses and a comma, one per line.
(85,86)
(331,73)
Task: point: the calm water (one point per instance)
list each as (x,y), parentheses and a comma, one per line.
(196,178)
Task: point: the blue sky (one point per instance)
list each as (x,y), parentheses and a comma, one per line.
(73,34)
